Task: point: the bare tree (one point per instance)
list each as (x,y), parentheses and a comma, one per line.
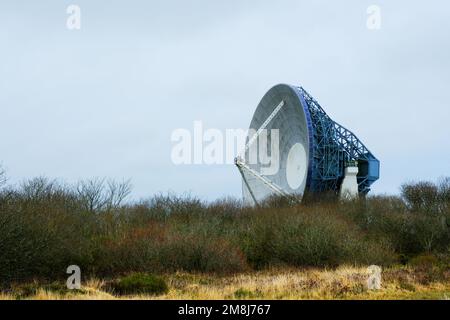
(38,188)
(99,194)
(118,192)
(92,192)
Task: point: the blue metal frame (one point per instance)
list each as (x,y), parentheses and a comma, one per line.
(332,147)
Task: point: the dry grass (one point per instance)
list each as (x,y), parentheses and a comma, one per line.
(341,283)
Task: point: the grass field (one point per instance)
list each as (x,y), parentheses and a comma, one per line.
(342,283)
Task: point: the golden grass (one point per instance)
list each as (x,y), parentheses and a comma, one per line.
(342,283)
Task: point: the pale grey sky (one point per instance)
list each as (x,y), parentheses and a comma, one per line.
(103,101)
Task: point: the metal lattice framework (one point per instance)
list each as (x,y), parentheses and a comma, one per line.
(333,148)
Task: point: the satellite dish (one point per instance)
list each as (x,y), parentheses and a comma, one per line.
(310,152)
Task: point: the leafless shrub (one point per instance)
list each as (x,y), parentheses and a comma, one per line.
(101,194)
(226,206)
(421,196)
(38,188)
(444,194)
(172,204)
(117,192)
(91,193)
(2,176)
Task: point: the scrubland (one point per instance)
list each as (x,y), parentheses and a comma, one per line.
(320,248)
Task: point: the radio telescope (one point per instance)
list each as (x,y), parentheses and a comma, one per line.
(314,154)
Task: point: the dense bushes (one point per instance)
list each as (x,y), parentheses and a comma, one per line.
(46,226)
(417,222)
(428,197)
(307,236)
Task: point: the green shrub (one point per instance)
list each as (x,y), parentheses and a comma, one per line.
(407,286)
(246,294)
(140,283)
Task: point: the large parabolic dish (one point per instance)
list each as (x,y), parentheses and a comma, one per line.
(313,150)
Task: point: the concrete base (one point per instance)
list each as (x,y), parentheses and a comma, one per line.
(349,186)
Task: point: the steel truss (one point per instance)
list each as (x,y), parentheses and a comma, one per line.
(333,148)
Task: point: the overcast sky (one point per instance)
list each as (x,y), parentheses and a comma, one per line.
(104,100)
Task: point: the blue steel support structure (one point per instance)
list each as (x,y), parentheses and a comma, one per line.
(333,147)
